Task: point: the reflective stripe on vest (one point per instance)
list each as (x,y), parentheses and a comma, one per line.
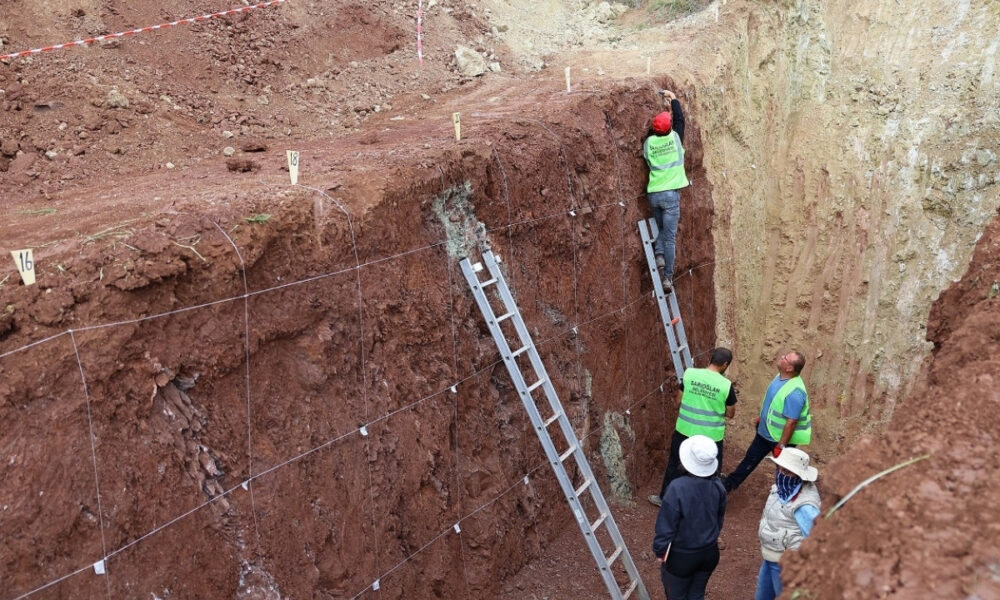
(703,404)
(664,155)
(776,419)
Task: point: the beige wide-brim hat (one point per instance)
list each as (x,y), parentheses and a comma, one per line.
(699,455)
(797,462)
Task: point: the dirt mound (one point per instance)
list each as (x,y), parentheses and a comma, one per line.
(296,71)
(218,417)
(925,531)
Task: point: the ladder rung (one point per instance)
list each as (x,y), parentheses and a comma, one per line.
(489,281)
(614,555)
(583,487)
(565,455)
(536,385)
(503,318)
(553,419)
(631,588)
(680,349)
(600,520)
(520,351)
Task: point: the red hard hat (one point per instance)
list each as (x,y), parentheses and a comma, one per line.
(662,123)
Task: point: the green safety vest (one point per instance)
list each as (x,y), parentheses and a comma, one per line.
(703,404)
(665,156)
(776,420)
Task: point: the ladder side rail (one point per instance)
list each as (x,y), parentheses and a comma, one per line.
(551,453)
(647,230)
(675,313)
(609,523)
(681,334)
(583,465)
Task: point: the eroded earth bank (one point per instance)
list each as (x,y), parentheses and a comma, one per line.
(224,385)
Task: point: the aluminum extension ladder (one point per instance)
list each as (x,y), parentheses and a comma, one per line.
(557,458)
(680,352)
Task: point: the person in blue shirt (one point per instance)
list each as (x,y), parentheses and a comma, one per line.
(788,516)
(784,418)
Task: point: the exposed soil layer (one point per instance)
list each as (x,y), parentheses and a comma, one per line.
(357,315)
(927,530)
(224,385)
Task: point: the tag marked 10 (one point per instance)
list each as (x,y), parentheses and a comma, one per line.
(293,165)
(25,265)
(456,118)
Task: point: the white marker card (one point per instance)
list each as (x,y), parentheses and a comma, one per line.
(569,87)
(293,165)
(25,262)
(649,64)
(456,118)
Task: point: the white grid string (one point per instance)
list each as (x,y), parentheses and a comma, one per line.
(93,455)
(246,360)
(639,298)
(364,359)
(247,294)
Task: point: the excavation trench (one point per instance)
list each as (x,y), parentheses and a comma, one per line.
(290,388)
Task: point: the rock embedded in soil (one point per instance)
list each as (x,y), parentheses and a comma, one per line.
(241,165)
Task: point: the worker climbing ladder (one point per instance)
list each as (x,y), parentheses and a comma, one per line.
(680,352)
(576,494)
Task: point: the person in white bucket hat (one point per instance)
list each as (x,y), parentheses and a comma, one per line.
(788,516)
(689,522)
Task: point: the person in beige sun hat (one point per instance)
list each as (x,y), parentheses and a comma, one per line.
(788,516)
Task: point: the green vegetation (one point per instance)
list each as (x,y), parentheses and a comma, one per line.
(259,218)
(675,9)
(39,211)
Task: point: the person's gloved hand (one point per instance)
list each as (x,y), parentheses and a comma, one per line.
(777,450)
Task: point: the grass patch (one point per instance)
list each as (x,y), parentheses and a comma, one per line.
(675,9)
(38,211)
(259,219)
(116,232)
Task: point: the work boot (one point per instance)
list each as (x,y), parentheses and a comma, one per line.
(655,500)
(660,262)
(668,284)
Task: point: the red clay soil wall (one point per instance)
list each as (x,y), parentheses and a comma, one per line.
(928,530)
(206,441)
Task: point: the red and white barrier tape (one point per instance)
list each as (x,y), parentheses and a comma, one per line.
(420,31)
(111,36)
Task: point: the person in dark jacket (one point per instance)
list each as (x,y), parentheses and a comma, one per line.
(689,522)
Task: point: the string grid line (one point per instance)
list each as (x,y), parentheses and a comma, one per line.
(509,228)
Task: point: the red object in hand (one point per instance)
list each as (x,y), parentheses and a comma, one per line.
(756,421)
(777,450)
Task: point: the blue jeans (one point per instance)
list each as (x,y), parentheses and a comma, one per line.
(768,581)
(667,212)
(759,448)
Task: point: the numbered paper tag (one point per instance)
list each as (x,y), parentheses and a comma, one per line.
(568,86)
(293,165)
(25,265)
(649,64)
(456,118)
